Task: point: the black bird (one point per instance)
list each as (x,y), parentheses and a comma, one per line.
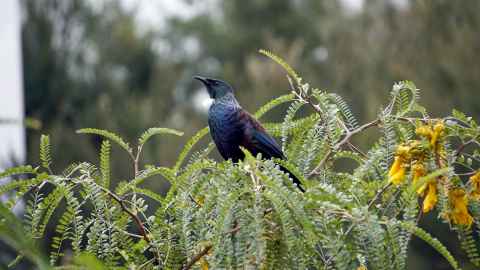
(231,126)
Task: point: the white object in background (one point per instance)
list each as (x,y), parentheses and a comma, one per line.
(12,132)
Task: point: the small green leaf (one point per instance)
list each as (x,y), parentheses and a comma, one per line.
(188,147)
(282,63)
(17,170)
(157,131)
(432,241)
(45,156)
(109,135)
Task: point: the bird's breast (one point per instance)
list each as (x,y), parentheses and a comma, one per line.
(227,130)
(224,120)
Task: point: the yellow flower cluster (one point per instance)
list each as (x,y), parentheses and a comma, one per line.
(459,212)
(475,184)
(406,152)
(397,171)
(418,171)
(431,198)
(432,133)
(412,155)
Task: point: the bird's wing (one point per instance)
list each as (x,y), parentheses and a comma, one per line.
(257,140)
(267,145)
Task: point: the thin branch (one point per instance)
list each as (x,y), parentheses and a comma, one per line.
(145,264)
(306,99)
(197,257)
(234,230)
(128,233)
(370,204)
(379,193)
(137,220)
(205,250)
(465,144)
(345,139)
(356,149)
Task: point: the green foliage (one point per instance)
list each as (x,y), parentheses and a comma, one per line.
(437,245)
(105,164)
(108,135)
(17,170)
(14,235)
(188,147)
(469,245)
(291,72)
(272,104)
(45,156)
(223,215)
(156,131)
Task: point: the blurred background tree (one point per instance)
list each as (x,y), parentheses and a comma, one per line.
(91,64)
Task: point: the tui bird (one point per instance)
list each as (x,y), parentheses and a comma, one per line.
(231,126)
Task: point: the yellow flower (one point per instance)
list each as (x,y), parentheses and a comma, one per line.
(431,133)
(204,264)
(459,213)
(475,183)
(200,200)
(397,164)
(425,131)
(418,170)
(431,198)
(396,174)
(403,150)
(437,132)
(362,267)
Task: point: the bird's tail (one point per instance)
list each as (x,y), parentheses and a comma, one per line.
(294,178)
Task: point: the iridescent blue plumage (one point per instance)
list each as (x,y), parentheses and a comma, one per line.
(231,126)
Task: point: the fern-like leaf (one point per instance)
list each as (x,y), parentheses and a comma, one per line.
(433,242)
(109,135)
(45,155)
(157,131)
(272,104)
(105,163)
(282,63)
(188,147)
(17,170)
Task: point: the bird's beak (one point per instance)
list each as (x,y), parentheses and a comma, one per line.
(202,79)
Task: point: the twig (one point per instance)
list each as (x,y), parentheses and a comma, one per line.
(137,220)
(370,204)
(379,193)
(234,230)
(205,251)
(303,97)
(463,145)
(127,233)
(345,139)
(356,149)
(146,263)
(197,257)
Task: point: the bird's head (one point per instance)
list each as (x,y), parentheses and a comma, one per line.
(216,88)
